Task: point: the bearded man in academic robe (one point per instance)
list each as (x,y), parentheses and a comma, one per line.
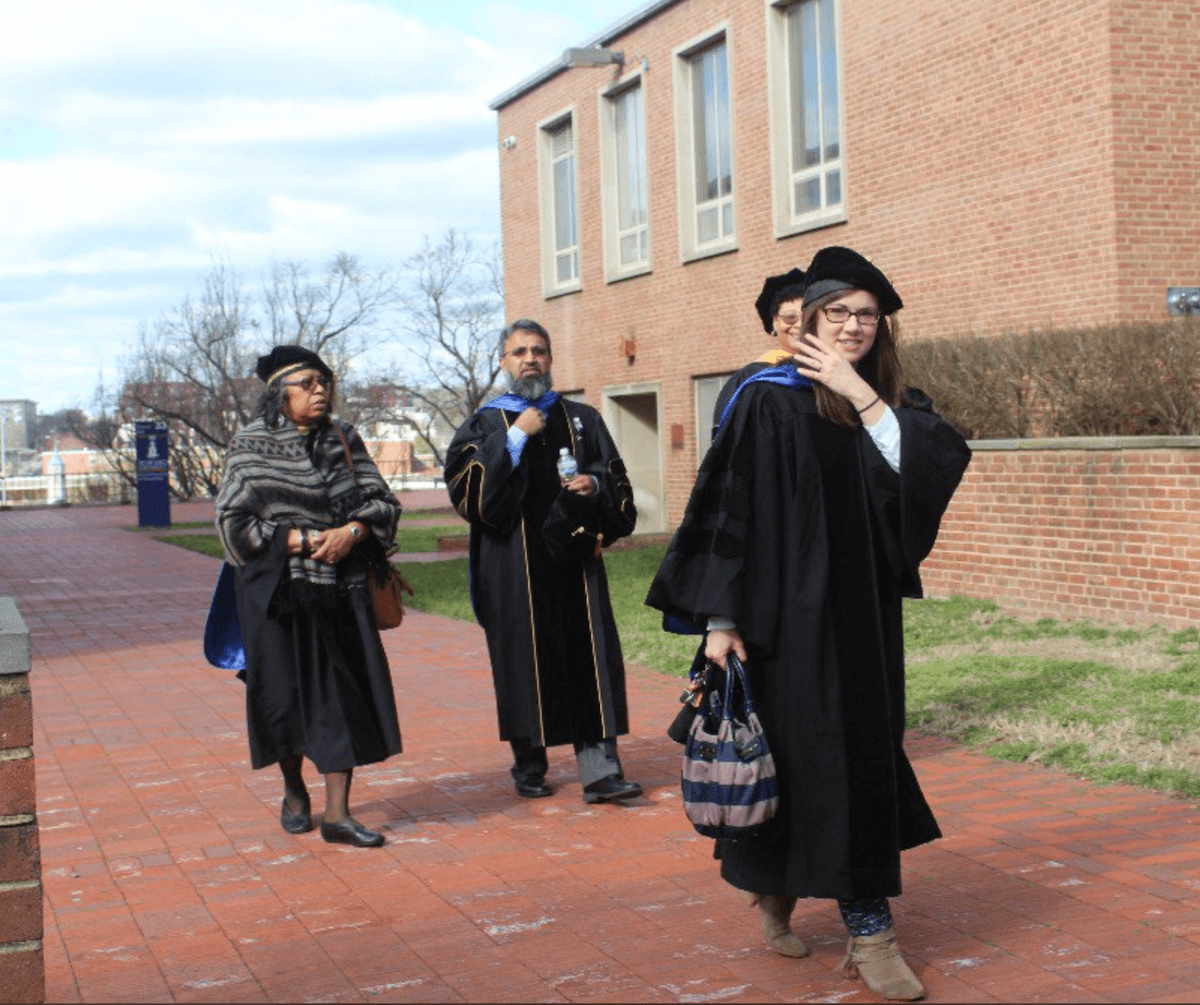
(537,577)
(819,498)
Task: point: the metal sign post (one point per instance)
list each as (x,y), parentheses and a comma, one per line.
(154,501)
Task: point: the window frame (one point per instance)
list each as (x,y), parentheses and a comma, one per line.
(779,101)
(690,249)
(610,207)
(547,210)
(704,415)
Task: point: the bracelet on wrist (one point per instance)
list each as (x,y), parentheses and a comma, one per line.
(869,405)
(305,548)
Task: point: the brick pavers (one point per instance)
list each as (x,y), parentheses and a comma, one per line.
(167,876)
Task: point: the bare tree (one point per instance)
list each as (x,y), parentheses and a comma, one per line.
(452,308)
(194,367)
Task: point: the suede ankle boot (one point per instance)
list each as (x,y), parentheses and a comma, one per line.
(776,912)
(877,960)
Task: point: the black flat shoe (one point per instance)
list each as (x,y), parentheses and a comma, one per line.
(296,823)
(534,789)
(350,831)
(610,790)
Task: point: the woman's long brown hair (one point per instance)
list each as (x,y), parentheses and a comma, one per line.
(880,367)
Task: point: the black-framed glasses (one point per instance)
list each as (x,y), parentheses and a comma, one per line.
(309,382)
(838,314)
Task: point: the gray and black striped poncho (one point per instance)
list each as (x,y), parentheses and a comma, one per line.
(280,478)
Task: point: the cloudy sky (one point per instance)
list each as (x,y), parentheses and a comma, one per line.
(139,138)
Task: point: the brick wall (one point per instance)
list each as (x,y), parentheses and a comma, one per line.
(22,972)
(1008,165)
(1156,109)
(1107,529)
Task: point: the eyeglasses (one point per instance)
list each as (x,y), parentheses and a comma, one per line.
(536,351)
(308,383)
(837,314)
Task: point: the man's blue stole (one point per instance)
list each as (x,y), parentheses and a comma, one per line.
(515,403)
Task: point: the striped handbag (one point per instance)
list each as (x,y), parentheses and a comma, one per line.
(729,785)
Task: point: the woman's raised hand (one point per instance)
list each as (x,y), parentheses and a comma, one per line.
(820,363)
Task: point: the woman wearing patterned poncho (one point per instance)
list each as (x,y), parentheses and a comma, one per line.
(304,531)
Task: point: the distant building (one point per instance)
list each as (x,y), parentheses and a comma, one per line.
(18,417)
(1008,165)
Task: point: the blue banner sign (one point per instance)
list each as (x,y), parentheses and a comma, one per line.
(154,502)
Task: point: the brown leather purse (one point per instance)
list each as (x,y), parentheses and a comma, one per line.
(387,592)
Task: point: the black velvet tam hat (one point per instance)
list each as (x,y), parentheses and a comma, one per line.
(285,359)
(835,268)
(768,300)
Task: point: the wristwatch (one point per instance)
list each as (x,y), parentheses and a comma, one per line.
(355,531)
(304,545)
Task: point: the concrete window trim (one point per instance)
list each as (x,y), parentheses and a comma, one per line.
(691,248)
(547,129)
(610,181)
(637,429)
(830,170)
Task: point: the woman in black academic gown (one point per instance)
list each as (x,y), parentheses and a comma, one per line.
(305,527)
(820,496)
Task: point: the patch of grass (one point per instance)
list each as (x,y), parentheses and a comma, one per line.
(206,544)
(441,513)
(186,525)
(413,539)
(642,639)
(439,588)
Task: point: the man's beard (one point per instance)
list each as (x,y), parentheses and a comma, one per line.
(530,388)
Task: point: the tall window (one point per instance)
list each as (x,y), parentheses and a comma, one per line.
(705,158)
(712,152)
(629,134)
(566,227)
(816,131)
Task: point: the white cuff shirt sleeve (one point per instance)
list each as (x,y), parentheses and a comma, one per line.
(886,434)
(516,444)
(718,623)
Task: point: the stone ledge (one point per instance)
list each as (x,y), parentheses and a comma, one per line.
(14,639)
(1091,443)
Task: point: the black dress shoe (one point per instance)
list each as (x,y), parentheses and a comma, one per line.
(296,823)
(533,788)
(350,831)
(611,789)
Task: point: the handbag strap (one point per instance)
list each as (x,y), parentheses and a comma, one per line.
(731,661)
(345,444)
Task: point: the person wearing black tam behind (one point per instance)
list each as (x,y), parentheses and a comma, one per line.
(819,498)
(304,529)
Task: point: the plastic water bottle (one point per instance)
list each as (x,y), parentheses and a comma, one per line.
(568,467)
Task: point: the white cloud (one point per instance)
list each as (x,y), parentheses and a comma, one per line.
(137,137)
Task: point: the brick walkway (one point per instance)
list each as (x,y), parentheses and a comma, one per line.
(167,876)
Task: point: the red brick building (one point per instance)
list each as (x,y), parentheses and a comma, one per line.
(1030,163)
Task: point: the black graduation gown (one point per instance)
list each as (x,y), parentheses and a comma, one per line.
(799,531)
(317,678)
(540,591)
